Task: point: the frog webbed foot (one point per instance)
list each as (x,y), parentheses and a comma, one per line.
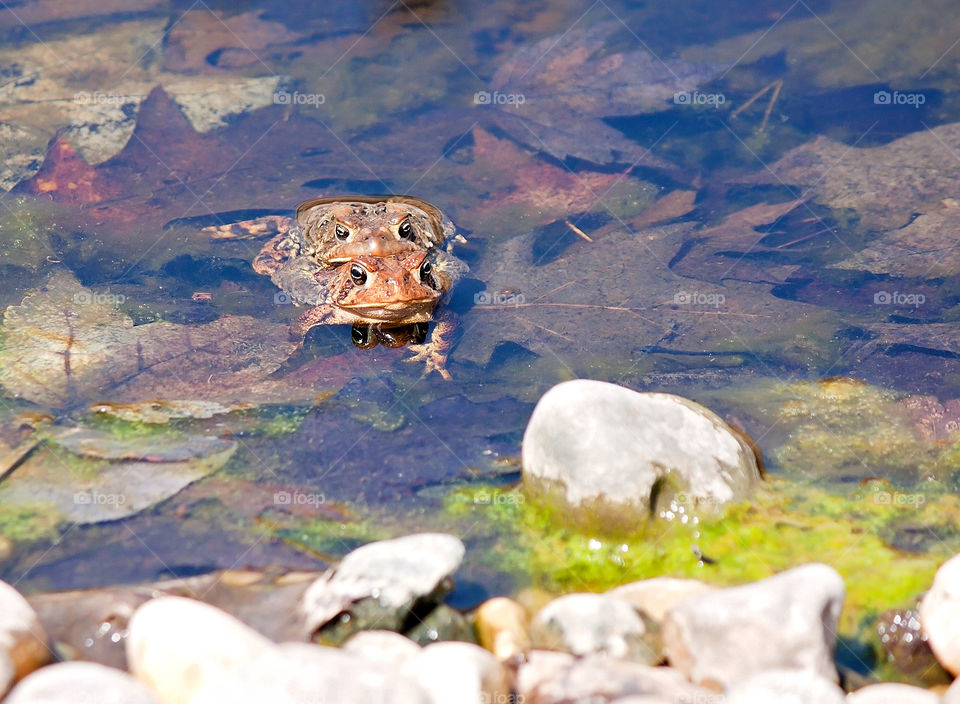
(433,353)
(434,360)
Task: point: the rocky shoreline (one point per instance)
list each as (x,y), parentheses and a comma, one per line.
(658,640)
(375,627)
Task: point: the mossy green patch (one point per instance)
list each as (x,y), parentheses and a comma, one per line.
(28,523)
(785,524)
(841,428)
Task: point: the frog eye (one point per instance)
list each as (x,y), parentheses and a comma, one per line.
(341,232)
(358,274)
(406,229)
(425,270)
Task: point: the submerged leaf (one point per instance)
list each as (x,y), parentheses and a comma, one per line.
(884,185)
(616,299)
(98,444)
(561,87)
(92,491)
(65,344)
(720,252)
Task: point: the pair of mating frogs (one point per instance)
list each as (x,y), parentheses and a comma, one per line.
(376,262)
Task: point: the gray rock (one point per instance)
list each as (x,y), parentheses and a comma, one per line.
(23,640)
(599,452)
(377,585)
(453,673)
(320,674)
(383,647)
(940,615)
(593,624)
(539,667)
(599,678)
(788,621)
(785,687)
(892,693)
(656,595)
(80,683)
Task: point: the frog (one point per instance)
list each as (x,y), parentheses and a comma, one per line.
(381,292)
(381,261)
(331,230)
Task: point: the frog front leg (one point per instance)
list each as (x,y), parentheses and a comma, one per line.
(319,315)
(433,353)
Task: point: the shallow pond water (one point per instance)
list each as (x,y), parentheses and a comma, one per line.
(749,204)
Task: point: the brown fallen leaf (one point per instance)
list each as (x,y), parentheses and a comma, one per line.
(539,191)
(616,301)
(885,186)
(552,94)
(65,344)
(934,337)
(721,252)
(64,176)
(206,40)
(926,248)
(674,204)
(33,13)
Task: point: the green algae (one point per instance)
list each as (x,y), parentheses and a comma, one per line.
(786,524)
(841,429)
(25,523)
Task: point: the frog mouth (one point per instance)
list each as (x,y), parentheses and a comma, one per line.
(407,310)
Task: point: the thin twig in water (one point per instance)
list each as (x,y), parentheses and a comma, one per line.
(776,86)
(578,231)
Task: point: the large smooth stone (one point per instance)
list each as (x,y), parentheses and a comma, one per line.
(788,621)
(785,687)
(188,652)
(600,454)
(76,682)
(940,615)
(892,693)
(593,624)
(23,640)
(382,647)
(178,646)
(377,585)
(600,678)
(453,673)
(655,596)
